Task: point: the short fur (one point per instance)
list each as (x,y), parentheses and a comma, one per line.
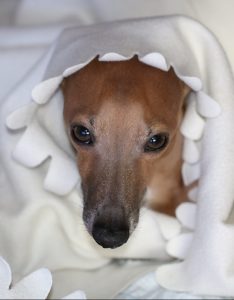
(123,104)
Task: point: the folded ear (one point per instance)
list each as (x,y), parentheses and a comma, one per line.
(63,84)
(186,89)
(69,97)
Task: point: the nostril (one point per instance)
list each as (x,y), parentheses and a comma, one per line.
(110,236)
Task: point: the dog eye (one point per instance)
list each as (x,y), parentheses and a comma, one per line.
(157,142)
(81,135)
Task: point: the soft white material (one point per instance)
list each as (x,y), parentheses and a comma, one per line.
(215,14)
(43,148)
(35,286)
(147,288)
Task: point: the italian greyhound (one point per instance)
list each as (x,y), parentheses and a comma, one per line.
(123,120)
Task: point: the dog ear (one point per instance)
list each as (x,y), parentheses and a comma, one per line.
(63,83)
(185,92)
(186,89)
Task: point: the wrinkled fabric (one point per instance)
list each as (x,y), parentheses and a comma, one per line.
(33,157)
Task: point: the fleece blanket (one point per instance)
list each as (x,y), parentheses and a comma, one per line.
(42,203)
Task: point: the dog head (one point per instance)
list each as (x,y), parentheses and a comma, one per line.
(122,119)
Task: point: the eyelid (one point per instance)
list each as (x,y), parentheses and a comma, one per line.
(159,133)
(74,124)
(84,120)
(158,126)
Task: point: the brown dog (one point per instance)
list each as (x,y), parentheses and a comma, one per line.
(123,120)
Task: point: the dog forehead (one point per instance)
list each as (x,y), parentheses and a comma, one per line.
(125,93)
(123,76)
(121,129)
(121,116)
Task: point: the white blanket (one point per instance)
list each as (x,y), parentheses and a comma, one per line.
(28,210)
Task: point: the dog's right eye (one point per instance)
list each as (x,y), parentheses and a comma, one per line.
(81,135)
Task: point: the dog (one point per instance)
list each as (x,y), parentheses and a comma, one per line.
(123,120)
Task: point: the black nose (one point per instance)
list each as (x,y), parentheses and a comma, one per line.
(110,235)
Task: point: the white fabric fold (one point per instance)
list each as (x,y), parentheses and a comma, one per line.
(36,285)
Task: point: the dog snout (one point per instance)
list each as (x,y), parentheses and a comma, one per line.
(110,235)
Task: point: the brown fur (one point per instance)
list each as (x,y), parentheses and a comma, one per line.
(122,102)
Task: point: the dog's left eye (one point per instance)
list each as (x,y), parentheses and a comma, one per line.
(157,142)
(81,135)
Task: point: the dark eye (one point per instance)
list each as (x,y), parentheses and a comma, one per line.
(157,142)
(81,135)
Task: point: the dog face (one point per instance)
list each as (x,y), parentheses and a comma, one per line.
(122,120)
